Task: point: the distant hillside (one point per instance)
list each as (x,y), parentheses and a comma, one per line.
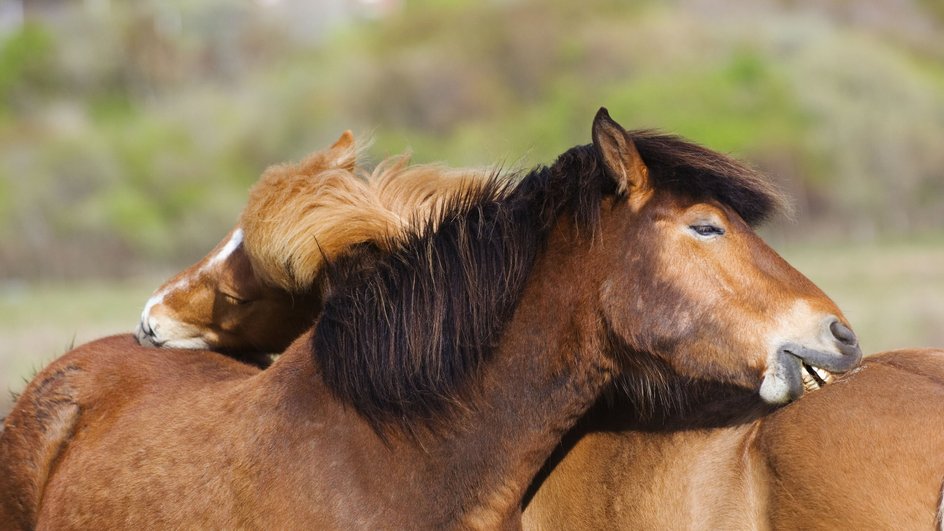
(131,131)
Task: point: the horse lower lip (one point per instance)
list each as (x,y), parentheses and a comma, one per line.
(793,370)
(783,381)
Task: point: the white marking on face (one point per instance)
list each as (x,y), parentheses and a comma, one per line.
(234,242)
(157,298)
(155,327)
(175,333)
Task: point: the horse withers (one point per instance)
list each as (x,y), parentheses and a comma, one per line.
(443,370)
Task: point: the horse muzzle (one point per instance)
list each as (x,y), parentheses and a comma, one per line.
(164,332)
(796,367)
(146,336)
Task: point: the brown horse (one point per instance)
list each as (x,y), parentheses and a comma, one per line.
(248,304)
(705,464)
(865,452)
(699,454)
(443,371)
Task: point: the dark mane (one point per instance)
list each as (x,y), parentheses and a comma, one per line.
(403,332)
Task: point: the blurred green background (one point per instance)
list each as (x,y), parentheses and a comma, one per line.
(130,131)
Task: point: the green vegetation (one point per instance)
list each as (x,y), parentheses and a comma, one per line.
(132,133)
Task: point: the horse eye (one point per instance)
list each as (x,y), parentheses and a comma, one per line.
(707,230)
(235,301)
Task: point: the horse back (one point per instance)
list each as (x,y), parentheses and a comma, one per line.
(866,452)
(91,380)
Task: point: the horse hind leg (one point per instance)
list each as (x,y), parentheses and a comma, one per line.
(34,436)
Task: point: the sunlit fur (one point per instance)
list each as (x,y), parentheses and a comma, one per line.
(865,452)
(300,215)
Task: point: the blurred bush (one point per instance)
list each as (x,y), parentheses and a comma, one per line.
(130,132)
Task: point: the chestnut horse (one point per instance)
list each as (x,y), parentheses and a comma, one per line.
(699,478)
(688,477)
(718,488)
(248,304)
(865,452)
(443,371)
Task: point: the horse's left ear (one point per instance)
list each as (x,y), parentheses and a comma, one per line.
(343,152)
(620,158)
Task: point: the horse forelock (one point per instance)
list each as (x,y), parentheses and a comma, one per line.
(682,167)
(291,224)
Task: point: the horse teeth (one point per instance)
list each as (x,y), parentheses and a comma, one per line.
(815,378)
(825,375)
(809,383)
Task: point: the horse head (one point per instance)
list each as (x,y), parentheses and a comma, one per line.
(255,291)
(233,301)
(705,289)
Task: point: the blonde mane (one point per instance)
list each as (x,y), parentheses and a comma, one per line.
(300,214)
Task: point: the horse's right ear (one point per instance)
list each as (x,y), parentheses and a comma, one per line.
(619,155)
(343,152)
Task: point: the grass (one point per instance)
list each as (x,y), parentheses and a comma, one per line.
(891,292)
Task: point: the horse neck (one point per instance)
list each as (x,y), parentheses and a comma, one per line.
(548,370)
(686,465)
(687,479)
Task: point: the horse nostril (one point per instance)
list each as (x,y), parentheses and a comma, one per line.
(843,334)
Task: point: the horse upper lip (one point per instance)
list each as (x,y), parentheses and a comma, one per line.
(848,357)
(146,336)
